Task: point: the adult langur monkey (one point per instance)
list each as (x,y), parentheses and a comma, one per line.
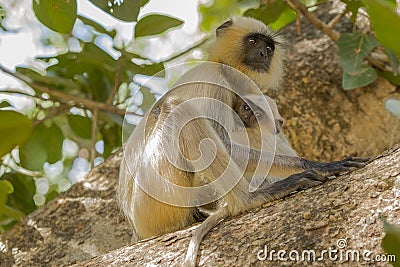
(199,148)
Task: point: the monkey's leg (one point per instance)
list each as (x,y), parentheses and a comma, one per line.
(200,232)
(283,188)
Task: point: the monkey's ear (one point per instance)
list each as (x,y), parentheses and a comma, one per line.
(221,29)
(278,125)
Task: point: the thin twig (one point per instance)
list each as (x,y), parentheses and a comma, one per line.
(54,113)
(22,170)
(117,80)
(63,97)
(298,22)
(93,136)
(298,25)
(302,9)
(336,19)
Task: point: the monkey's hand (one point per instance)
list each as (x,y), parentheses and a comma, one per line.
(335,167)
(295,182)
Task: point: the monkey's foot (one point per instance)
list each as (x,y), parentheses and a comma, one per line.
(295,182)
(335,167)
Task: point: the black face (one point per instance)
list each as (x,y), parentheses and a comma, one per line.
(259,50)
(246,113)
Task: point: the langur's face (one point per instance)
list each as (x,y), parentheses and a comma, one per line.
(258,51)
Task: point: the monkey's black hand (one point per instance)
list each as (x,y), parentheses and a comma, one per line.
(335,167)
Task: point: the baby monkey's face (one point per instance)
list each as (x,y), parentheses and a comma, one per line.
(253,110)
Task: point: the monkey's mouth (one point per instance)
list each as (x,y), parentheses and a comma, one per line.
(262,66)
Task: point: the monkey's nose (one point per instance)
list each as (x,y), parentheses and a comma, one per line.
(262,54)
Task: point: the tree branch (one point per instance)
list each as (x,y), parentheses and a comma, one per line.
(54,113)
(63,97)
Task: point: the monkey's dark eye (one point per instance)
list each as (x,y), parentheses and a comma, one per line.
(270,49)
(246,107)
(252,41)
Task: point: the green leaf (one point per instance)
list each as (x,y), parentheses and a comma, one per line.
(212,14)
(358,79)
(4,103)
(393,105)
(390,77)
(3,195)
(353,48)
(394,62)
(58,15)
(353,6)
(44,145)
(150,70)
(148,98)
(143,2)
(391,242)
(100,85)
(24,190)
(287,16)
(7,186)
(91,71)
(123,10)
(54,143)
(155,24)
(81,126)
(267,13)
(130,69)
(3,15)
(276,14)
(76,63)
(51,195)
(32,154)
(97,27)
(11,213)
(385,22)
(15,128)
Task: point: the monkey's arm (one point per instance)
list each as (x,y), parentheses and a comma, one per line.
(285,165)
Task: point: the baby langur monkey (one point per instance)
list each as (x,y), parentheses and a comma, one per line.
(250,112)
(161,163)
